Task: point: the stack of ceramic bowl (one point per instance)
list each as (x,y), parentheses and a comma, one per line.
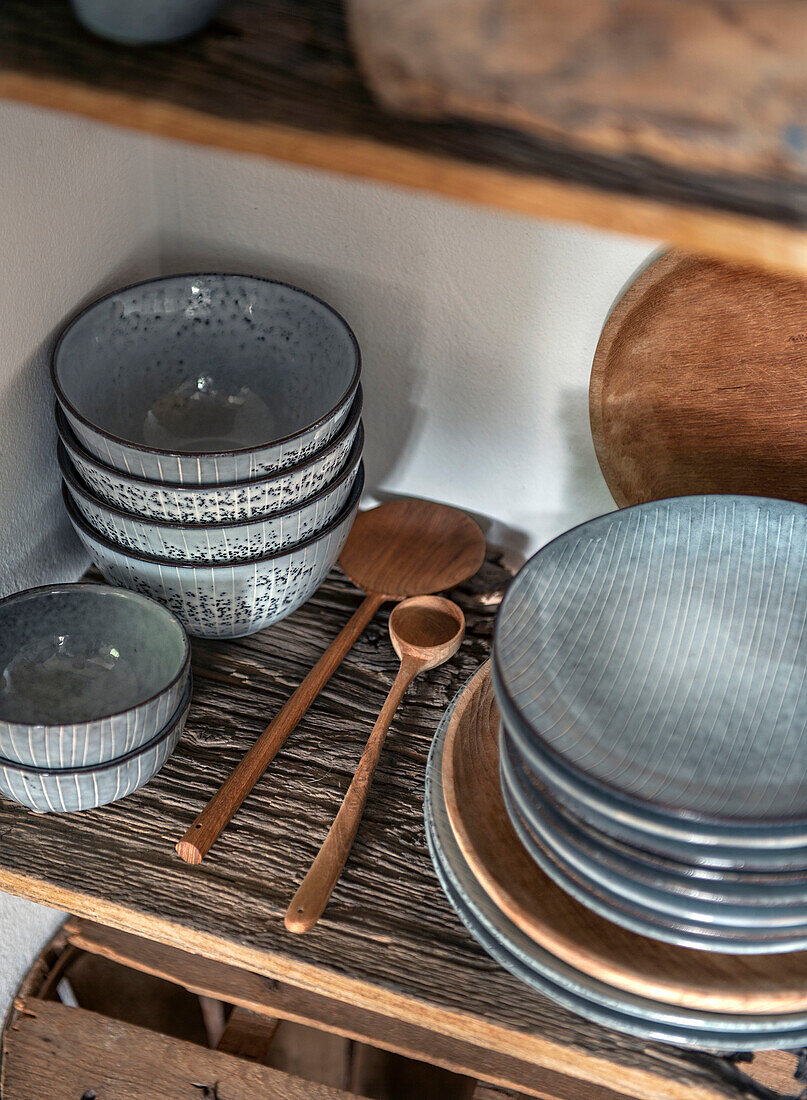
(211,443)
(95,686)
(648,866)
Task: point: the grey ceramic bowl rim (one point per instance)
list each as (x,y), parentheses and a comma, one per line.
(86,769)
(513,713)
(68,437)
(54,370)
(71,477)
(180,563)
(107,590)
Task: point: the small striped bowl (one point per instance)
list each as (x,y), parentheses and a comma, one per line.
(225,600)
(63,790)
(219,542)
(87,673)
(203,505)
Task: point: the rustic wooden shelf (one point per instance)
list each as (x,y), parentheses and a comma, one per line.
(389,962)
(277,78)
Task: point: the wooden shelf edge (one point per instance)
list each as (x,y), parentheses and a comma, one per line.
(469,1028)
(695,229)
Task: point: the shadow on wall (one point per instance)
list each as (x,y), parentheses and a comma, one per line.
(30,485)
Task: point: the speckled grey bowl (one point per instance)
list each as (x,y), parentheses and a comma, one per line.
(63,790)
(202,505)
(206,379)
(225,600)
(219,542)
(146,21)
(87,673)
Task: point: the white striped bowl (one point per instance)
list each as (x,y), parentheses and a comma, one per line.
(87,673)
(225,600)
(206,379)
(202,505)
(64,790)
(219,542)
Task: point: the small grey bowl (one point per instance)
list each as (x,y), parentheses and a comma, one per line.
(87,673)
(219,542)
(144,21)
(63,790)
(206,379)
(225,600)
(202,505)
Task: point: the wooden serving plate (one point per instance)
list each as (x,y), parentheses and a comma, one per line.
(699,384)
(561,925)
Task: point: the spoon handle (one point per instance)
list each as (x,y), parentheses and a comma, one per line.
(316,888)
(208,826)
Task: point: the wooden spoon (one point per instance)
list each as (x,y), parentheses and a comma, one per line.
(425,632)
(403,548)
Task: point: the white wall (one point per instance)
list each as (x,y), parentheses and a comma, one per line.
(477,331)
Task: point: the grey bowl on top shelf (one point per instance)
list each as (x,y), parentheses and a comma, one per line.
(65,790)
(225,600)
(659,655)
(87,673)
(207,504)
(206,379)
(146,21)
(220,542)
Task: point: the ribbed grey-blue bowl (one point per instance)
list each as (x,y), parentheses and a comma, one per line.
(63,790)
(202,505)
(87,673)
(216,542)
(206,379)
(225,600)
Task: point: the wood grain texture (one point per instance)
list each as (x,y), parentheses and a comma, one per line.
(272,998)
(55,1052)
(278,79)
(530,898)
(401,548)
(704,86)
(699,384)
(389,942)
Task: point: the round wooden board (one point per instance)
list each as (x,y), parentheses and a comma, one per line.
(561,925)
(699,384)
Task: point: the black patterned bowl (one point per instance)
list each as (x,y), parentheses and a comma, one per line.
(87,673)
(206,379)
(225,600)
(224,503)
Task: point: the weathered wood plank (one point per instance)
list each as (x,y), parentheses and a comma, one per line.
(55,1052)
(389,941)
(278,79)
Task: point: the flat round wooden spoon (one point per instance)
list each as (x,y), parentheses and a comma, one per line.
(402,548)
(425,632)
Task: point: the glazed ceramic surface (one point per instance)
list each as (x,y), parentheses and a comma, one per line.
(206,379)
(565,984)
(225,600)
(136,24)
(763,850)
(221,542)
(64,790)
(87,673)
(592,890)
(660,652)
(204,505)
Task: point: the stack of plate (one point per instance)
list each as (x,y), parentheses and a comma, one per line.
(211,444)
(644,858)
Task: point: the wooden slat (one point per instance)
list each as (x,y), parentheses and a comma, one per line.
(261,995)
(247,1034)
(278,79)
(57,1053)
(389,941)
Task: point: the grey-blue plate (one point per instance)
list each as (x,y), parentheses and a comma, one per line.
(591,891)
(660,653)
(648,832)
(564,984)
